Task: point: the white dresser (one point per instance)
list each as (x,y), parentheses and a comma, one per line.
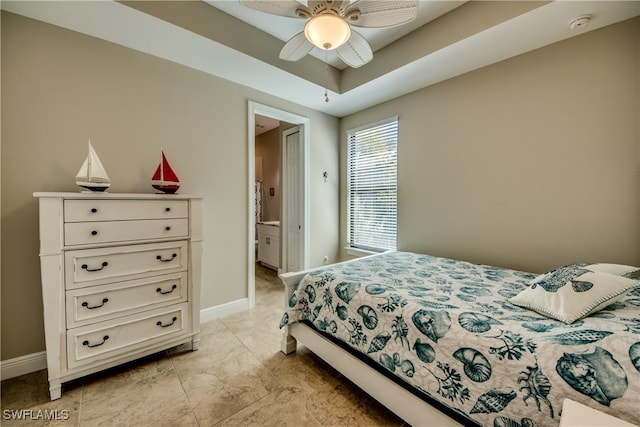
(120,278)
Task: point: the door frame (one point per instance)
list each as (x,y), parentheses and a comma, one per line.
(303,123)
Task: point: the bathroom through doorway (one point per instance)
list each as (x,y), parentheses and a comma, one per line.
(278,196)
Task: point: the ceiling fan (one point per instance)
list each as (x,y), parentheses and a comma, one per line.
(329,24)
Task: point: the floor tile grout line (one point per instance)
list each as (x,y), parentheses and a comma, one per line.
(243,408)
(80,404)
(248,349)
(247,405)
(258,346)
(186,395)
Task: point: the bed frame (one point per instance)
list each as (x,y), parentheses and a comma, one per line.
(396,398)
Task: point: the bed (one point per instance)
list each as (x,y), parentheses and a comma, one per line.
(447,342)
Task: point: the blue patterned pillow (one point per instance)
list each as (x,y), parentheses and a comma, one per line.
(574,291)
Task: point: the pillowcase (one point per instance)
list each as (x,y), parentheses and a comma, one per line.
(572,292)
(628,271)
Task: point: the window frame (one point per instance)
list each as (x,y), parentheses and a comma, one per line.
(361,248)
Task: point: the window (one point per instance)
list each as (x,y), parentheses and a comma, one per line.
(372,189)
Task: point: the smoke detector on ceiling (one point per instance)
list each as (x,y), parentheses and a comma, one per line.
(580,22)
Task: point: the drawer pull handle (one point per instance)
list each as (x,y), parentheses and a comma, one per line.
(86,267)
(159,257)
(86,304)
(167,228)
(104,339)
(168,324)
(167,209)
(94,233)
(94,210)
(161,292)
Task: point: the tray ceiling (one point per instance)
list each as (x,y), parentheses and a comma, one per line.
(223,39)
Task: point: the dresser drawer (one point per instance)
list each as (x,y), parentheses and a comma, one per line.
(105,340)
(89,267)
(83,233)
(115,210)
(99,303)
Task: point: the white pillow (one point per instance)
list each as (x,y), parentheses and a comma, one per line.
(628,271)
(572,292)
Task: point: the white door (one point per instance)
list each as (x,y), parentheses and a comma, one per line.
(294,200)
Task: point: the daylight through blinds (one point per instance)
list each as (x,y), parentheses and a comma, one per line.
(372,186)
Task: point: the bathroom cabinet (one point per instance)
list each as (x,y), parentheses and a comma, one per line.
(269,244)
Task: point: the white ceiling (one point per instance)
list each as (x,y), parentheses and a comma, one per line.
(127,26)
(265,124)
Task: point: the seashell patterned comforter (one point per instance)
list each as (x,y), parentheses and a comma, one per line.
(445,328)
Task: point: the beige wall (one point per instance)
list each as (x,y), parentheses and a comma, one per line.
(268,148)
(60,88)
(530,163)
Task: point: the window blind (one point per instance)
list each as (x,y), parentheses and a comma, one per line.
(372,188)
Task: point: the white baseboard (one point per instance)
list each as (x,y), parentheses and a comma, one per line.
(26,364)
(222,310)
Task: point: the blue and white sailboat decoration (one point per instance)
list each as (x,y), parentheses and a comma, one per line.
(92,174)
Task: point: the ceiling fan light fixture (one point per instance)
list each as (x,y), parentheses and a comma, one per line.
(327,31)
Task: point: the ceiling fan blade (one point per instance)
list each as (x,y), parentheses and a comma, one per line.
(381,13)
(297,47)
(290,8)
(356,52)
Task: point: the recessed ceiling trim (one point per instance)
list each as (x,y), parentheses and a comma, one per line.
(123,25)
(514,37)
(126,26)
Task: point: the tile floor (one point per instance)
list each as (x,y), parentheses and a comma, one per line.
(238,377)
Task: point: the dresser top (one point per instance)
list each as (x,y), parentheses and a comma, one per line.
(105,195)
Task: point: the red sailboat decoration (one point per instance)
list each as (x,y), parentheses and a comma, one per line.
(165,179)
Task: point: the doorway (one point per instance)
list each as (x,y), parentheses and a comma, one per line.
(294,201)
